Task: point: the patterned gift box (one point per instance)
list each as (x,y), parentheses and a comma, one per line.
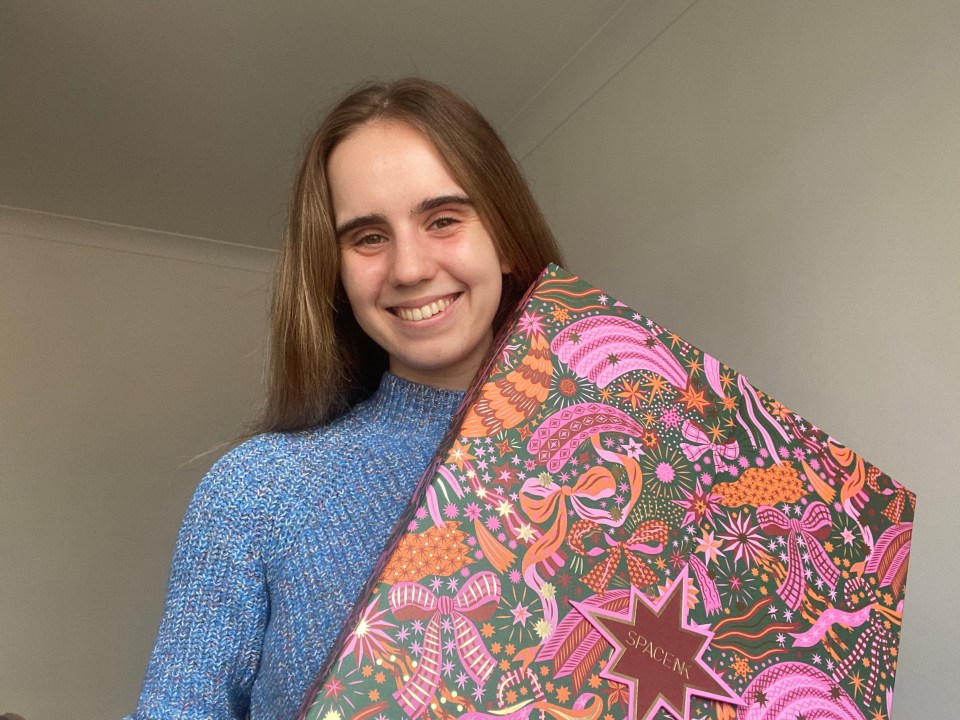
(618,526)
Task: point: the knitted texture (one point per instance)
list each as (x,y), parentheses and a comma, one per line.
(274,550)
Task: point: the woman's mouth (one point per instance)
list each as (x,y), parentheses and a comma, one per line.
(424,312)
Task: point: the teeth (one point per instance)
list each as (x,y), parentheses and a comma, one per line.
(427,311)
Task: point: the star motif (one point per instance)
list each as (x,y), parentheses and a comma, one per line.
(333,687)
(657,653)
(694,398)
(709,546)
(657,384)
(632,448)
(858,683)
(520,614)
(694,366)
(460,454)
(727,380)
(715,433)
(526,532)
(531,324)
(741,668)
(631,393)
(542,629)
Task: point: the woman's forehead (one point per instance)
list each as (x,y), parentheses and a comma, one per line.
(386,167)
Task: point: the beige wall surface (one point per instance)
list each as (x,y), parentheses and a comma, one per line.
(779,183)
(125,354)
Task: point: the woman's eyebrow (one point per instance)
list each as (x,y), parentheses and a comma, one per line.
(439,201)
(421,207)
(359,222)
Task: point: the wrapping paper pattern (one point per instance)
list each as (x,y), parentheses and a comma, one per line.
(620,526)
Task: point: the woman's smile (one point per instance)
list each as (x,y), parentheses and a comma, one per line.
(426,310)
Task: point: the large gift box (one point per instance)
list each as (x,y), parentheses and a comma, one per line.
(618,525)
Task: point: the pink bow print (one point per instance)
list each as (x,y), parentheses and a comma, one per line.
(814,526)
(477,600)
(700,444)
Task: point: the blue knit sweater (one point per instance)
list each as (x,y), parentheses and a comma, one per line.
(274,550)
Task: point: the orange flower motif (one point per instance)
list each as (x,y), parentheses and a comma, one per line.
(631,393)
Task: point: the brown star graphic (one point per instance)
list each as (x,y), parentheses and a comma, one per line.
(657,654)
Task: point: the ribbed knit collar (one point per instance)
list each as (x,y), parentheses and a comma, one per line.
(405,401)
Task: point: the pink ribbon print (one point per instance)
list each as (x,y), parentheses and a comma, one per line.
(875,641)
(476,600)
(814,526)
(699,443)
(875,638)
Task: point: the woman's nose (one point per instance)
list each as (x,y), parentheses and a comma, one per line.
(413,259)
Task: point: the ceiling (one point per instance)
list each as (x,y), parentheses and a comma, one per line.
(187,118)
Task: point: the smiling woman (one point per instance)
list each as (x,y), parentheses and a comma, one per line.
(420,270)
(410,236)
(323,361)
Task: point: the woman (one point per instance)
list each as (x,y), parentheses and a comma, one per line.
(410,236)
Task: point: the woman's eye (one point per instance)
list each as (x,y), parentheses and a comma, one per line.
(369,240)
(443,222)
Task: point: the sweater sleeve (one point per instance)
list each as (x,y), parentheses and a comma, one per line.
(208,647)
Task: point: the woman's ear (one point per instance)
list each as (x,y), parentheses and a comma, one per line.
(505,267)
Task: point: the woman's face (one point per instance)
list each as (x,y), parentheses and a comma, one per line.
(422,274)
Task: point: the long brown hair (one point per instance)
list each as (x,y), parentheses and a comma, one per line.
(321,361)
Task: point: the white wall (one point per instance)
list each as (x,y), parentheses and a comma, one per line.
(124,354)
(779,182)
